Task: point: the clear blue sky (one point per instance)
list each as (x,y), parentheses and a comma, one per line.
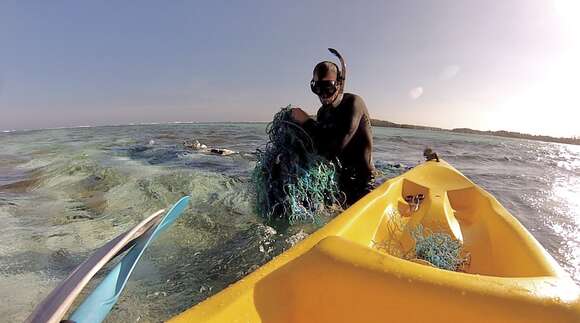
(508,64)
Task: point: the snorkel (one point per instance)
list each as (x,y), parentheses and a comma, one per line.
(341,77)
(342,72)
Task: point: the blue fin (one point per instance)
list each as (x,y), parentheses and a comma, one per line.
(101,300)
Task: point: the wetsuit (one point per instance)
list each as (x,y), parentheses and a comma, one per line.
(344,132)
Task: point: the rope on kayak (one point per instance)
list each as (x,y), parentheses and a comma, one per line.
(293,182)
(438,249)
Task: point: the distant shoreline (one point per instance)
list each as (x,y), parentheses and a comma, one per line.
(499,133)
(374,123)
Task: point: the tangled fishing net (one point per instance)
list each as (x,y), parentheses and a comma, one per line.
(438,249)
(291,180)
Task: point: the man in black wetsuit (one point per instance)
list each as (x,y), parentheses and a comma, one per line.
(342,129)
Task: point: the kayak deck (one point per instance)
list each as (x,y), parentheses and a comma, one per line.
(337,274)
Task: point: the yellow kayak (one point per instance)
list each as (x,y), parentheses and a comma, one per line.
(349,271)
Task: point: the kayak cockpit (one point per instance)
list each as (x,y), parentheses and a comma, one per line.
(496,244)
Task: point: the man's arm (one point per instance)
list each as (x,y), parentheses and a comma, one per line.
(299,116)
(308,124)
(333,138)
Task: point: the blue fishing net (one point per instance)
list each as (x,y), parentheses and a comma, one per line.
(293,182)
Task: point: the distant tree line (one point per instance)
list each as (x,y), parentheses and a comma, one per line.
(500,133)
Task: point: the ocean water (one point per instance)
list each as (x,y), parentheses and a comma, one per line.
(65,192)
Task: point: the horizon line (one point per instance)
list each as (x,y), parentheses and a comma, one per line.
(7,131)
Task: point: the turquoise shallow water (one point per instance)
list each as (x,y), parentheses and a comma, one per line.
(65,192)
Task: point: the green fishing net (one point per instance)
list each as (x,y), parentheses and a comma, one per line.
(292,181)
(439,249)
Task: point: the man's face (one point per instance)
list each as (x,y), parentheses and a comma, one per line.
(330,76)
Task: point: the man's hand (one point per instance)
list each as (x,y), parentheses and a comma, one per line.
(299,115)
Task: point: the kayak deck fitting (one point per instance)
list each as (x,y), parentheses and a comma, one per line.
(338,274)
